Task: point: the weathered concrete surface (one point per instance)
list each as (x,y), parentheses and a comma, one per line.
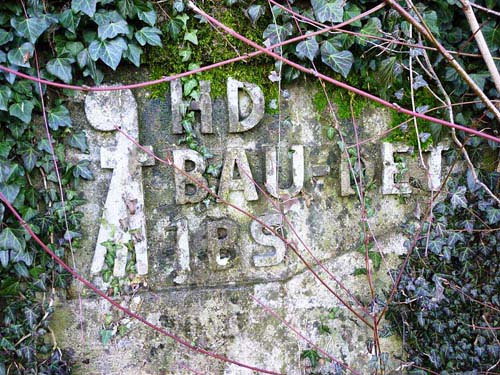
(206,260)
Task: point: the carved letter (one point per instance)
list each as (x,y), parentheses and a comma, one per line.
(186,190)
(222,236)
(297,172)
(262,236)
(236,123)
(123,218)
(203,104)
(244,182)
(390,169)
(182,251)
(434,163)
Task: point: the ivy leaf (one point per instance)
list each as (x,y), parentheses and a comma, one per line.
(307,48)
(82,170)
(79,141)
(61,68)
(30,28)
(69,20)
(30,156)
(352,10)
(254,12)
(4,257)
(149,16)
(191,37)
(328,11)
(5,94)
(109,51)
(149,35)
(9,240)
(133,54)
(458,198)
(103,17)
(22,110)
(59,117)
(372,27)
(31,316)
(127,8)
(454,237)
(71,50)
(85,6)
(493,215)
(436,246)
(174,27)
(111,30)
(277,33)
(5,37)
(106,335)
(20,55)
(6,345)
(341,62)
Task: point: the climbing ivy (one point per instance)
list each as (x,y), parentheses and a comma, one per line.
(448,300)
(73,42)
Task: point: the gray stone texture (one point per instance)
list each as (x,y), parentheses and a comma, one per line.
(206,260)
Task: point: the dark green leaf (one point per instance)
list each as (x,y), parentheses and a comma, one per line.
(352,10)
(61,68)
(341,62)
(147,16)
(328,11)
(4,257)
(372,27)
(30,28)
(5,37)
(30,156)
(82,170)
(493,215)
(12,240)
(110,30)
(360,271)
(127,8)
(133,54)
(254,12)
(31,316)
(85,6)
(22,110)
(103,17)
(79,140)
(277,33)
(109,51)
(5,94)
(71,49)
(21,55)
(69,20)
(307,48)
(174,27)
(6,344)
(149,35)
(458,198)
(59,117)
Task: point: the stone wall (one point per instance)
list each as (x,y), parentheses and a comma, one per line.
(196,266)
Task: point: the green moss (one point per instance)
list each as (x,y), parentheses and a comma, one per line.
(342,100)
(214,46)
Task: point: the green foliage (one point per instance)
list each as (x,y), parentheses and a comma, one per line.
(71,44)
(450,285)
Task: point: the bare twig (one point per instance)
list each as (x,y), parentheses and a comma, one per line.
(451,60)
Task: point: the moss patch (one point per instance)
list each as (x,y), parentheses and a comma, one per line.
(214,46)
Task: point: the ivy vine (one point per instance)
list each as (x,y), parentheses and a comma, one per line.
(72,42)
